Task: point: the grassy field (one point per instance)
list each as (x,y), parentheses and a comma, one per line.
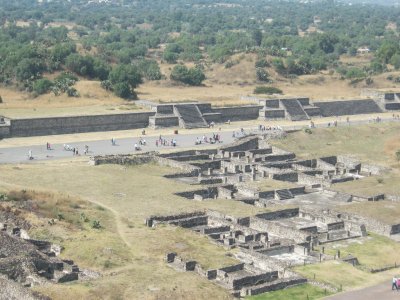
(300,292)
(374,251)
(343,275)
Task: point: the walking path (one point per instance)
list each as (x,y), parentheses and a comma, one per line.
(381,291)
(126,145)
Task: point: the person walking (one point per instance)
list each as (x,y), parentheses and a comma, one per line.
(394,284)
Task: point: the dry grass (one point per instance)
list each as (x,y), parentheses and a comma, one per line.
(93,100)
(132,194)
(223,86)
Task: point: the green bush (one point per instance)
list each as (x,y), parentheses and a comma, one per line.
(190,76)
(96,224)
(262,75)
(42,86)
(268,90)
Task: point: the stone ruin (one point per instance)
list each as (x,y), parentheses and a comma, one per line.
(268,243)
(32,262)
(227,170)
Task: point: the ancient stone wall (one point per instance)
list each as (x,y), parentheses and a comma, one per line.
(244,144)
(121,159)
(238,113)
(279,230)
(163,121)
(177,164)
(76,124)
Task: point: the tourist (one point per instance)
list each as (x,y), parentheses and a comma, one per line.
(394,284)
(30,156)
(156,143)
(143,132)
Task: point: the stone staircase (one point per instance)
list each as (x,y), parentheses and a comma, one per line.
(294,110)
(283,194)
(189,116)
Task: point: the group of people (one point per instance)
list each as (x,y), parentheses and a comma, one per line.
(266,128)
(164,142)
(216,138)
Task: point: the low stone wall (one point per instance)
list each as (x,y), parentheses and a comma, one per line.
(273,113)
(189,157)
(279,230)
(238,113)
(153,220)
(244,144)
(77,124)
(373,169)
(163,121)
(290,176)
(121,159)
(187,168)
(278,284)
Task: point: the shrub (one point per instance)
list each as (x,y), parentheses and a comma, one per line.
(269,90)
(262,75)
(190,76)
(308,130)
(42,86)
(96,224)
(262,63)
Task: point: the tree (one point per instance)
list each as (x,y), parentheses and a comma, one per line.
(126,73)
(61,51)
(193,76)
(395,61)
(124,79)
(257,37)
(262,75)
(42,86)
(29,69)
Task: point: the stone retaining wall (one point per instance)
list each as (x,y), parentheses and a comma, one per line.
(121,159)
(77,124)
(238,113)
